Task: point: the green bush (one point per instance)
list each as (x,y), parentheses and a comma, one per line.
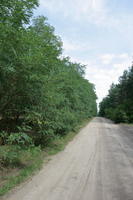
(116,114)
(119,115)
(3,137)
(9,157)
(21,139)
(15,156)
(44,137)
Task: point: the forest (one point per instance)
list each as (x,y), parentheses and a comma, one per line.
(118,105)
(43,95)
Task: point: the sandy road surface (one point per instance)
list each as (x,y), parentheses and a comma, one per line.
(96,165)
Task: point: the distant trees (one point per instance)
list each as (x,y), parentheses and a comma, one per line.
(41,93)
(118,105)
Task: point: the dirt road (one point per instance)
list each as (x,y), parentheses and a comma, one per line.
(96,165)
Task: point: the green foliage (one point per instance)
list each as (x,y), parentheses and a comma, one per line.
(3,137)
(118,105)
(14,156)
(41,92)
(21,139)
(23,161)
(9,157)
(16,12)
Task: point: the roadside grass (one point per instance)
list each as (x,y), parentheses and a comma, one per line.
(60,143)
(27,161)
(127,124)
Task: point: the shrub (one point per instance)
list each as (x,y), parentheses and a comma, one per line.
(44,137)
(21,139)
(119,116)
(3,137)
(9,156)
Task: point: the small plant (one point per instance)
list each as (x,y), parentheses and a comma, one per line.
(21,139)
(9,157)
(24,128)
(3,137)
(44,137)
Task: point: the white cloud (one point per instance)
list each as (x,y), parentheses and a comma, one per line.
(124,56)
(103,75)
(69,46)
(92,11)
(79,6)
(72,45)
(107,58)
(77,9)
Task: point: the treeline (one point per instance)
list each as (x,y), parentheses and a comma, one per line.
(42,94)
(118,105)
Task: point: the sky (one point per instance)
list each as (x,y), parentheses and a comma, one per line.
(97,33)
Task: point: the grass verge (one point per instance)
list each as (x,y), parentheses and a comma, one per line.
(29,161)
(60,143)
(32,160)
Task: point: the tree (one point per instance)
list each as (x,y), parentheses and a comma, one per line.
(118,104)
(40,91)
